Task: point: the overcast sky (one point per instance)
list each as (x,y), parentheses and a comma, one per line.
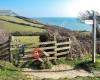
(50,8)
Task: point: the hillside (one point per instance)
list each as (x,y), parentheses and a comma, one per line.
(22,24)
(13,24)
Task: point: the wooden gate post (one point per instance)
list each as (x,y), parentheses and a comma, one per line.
(9,49)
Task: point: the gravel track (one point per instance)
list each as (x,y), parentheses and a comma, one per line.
(58,71)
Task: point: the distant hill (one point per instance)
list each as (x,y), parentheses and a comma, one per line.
(7,13)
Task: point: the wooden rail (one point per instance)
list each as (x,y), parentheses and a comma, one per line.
(5,50)
(45,43)
(64,47)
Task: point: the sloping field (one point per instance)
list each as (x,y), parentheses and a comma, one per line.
(12,18)
(18,20)
(13,24)
(11,27)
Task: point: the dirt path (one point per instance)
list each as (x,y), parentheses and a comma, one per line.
(58,71)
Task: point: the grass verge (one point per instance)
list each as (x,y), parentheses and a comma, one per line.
(84,63)
(10,72)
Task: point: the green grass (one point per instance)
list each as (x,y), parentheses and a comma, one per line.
(84,63)
(12,18)
(75,61)
(18,20)
(25,40)
(9,72)
(12,27)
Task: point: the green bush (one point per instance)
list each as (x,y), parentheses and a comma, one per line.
(37,65)
(97,66)
(88,66)
(32,64)
(46,65)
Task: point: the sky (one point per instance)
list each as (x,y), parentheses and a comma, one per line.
(50,8)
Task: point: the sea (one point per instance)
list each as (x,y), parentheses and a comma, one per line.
(67,22)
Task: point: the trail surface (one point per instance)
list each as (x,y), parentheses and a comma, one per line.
(58,71)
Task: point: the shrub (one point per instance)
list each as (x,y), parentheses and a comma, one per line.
(46,65)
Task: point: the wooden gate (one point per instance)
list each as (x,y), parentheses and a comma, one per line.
(53,48)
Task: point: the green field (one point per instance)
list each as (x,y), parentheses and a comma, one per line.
(13,27)
(18,20)
(29,41)
(12,18)
(25,39)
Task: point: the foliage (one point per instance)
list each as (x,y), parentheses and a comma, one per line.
(10,72)
(84,63)
(36,65)
(46,65)
(15,58)
(32,64)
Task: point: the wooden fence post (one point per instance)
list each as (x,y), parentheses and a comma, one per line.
(55,46)
(9,49)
